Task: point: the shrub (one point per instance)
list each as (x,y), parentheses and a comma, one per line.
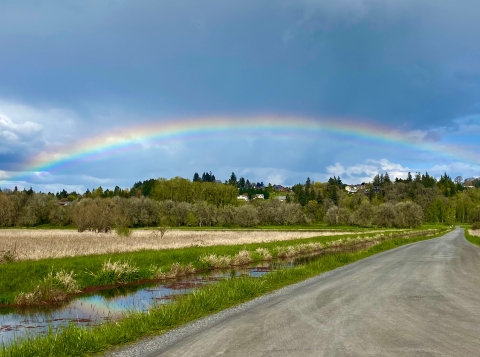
(123,231)
(476,225)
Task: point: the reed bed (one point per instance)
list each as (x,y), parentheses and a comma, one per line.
(33,244)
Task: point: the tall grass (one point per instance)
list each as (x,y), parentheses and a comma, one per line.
(74,341)
(53,288)
(117,272)
(36,244)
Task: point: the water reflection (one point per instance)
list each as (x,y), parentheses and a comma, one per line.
(91,310)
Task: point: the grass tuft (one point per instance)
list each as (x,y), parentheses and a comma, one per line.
(242,258)
(53,288)
(216,261)
(264,253)
(118,272)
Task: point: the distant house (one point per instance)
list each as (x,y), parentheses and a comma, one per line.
(278,188)
(243,197)
(351,189)
(259,195)
(354,188)
(64,203)
(281,198)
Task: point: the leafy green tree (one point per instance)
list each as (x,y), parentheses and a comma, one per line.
(385,215)
(364,214)
(408,215)
(314,211)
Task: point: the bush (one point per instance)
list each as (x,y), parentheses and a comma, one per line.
(476,225)
(123,231)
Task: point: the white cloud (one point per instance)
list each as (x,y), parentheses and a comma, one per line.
(26,127)
(4,174)
(16,134)
(47,182)
(455,169)
(21,185)
(365,172)
(275,175)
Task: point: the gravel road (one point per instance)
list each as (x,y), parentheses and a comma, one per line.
(418,300)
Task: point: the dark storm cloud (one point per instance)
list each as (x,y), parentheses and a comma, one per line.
(80,68)
(407,63)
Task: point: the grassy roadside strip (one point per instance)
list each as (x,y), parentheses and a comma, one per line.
(471,238)
(87,270)
(77,341)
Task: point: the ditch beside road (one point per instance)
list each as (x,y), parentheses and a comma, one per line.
(419,299)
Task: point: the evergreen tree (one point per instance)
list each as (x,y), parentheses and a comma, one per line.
(233,179)
(386,178)
(241,183)
(417,177)
(196,177)
(339,182)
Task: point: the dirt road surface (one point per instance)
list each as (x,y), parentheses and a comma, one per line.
(418,300)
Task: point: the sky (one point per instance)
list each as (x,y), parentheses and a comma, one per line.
(106,93)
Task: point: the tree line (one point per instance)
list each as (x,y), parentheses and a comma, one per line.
(181,202)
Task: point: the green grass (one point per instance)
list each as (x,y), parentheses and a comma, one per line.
(88,269)
(77,341)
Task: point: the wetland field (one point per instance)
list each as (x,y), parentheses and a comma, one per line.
(49,269)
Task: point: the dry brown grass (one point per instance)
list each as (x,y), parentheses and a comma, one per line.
(474,232)
(39,244)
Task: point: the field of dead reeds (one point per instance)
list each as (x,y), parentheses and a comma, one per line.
(40,244)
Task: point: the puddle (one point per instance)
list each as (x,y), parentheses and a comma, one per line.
(93,309)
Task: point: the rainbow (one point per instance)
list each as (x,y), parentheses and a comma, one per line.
(125,139)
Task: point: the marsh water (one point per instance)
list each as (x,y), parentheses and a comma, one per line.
(93,309)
